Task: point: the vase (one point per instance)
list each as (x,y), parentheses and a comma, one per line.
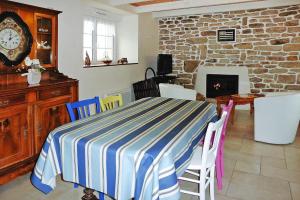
(33,77)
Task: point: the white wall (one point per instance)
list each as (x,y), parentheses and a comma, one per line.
(148,40)
(127,38)
(92,81)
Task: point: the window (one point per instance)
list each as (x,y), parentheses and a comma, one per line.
(98,39)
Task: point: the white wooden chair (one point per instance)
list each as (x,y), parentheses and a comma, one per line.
(203,160)
(176,92)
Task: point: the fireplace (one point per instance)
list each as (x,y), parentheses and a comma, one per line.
(221,84)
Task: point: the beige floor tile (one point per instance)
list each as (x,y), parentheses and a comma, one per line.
(284,174)
(235,155)
(248,167)
(186,197)
(223,197)
(234,140)
(295,189)
(186,185)
(293,163)
(249,186)
(292,155)
(292,152)
(229,165)
(225,184)
(242,131)
(296,143)
(273,162)
(233,143)
(262,149)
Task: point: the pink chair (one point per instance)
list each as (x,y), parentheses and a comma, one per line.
(220,159)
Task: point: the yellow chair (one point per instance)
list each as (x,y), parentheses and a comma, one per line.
(109,103)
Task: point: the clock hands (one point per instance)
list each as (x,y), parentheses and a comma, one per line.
(9,39)
(12,37)
(10,34)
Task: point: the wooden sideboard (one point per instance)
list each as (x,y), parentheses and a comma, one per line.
(28,113)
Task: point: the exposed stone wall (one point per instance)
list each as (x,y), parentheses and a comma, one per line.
(268,43)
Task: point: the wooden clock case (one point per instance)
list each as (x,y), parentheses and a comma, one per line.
(29,113)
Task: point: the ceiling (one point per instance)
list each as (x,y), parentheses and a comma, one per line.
(141,6)
(150,2)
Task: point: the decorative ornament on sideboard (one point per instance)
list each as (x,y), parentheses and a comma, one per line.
(87,60)
(106,60)
(15,39)
(123,61)
(34,74)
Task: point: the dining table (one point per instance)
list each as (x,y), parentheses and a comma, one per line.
(135,151)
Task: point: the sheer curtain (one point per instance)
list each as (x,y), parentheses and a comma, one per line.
(88,30)
(99,38)
(105,39)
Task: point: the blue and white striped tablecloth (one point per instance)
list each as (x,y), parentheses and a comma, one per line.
(137,150)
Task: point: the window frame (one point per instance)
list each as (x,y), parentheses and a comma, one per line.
(95,21)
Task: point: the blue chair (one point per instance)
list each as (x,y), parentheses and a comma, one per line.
(82,110)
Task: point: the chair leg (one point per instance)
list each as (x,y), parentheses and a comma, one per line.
(212,183)
(222,163)
(101,196)
(219,174)
(202,185)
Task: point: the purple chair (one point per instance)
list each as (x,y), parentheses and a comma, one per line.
(220,153)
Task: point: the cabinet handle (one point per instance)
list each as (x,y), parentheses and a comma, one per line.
(25,133)
(55,93)
(39,130)
(5,123)
(4,103)
(54,108)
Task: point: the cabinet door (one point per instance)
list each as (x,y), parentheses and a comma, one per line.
(45,29)
(15,139)
(49,114)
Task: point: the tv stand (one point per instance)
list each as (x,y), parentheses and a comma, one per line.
(165,79)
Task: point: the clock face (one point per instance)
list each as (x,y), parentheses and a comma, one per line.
(9,39)
(15,39)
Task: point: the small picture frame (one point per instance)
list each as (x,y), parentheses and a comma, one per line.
(226,35)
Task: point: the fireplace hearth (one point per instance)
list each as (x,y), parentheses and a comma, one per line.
(221,84)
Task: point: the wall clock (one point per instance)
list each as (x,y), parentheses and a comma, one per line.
(15,39)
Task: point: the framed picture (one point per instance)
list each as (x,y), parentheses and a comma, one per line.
(227,35)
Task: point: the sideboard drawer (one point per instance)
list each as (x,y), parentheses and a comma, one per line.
(12,100)
(55,92)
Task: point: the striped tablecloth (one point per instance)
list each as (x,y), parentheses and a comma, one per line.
(137,150)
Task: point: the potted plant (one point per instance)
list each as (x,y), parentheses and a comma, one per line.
(34,71)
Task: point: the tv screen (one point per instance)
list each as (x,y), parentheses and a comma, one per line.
(164,64)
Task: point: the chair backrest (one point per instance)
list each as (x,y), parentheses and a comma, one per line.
(81,109)
(176,92)
(227,109)
(110,102)
(213,130)
(276,118)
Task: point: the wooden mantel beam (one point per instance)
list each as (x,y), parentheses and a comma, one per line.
(187,4)
(123,2)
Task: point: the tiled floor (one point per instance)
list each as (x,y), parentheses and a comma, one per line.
(253,171)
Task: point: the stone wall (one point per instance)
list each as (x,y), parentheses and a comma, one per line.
(268,43)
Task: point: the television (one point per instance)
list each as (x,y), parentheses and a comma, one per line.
(164,64)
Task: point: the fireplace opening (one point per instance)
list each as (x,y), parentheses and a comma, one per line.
(221,84)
